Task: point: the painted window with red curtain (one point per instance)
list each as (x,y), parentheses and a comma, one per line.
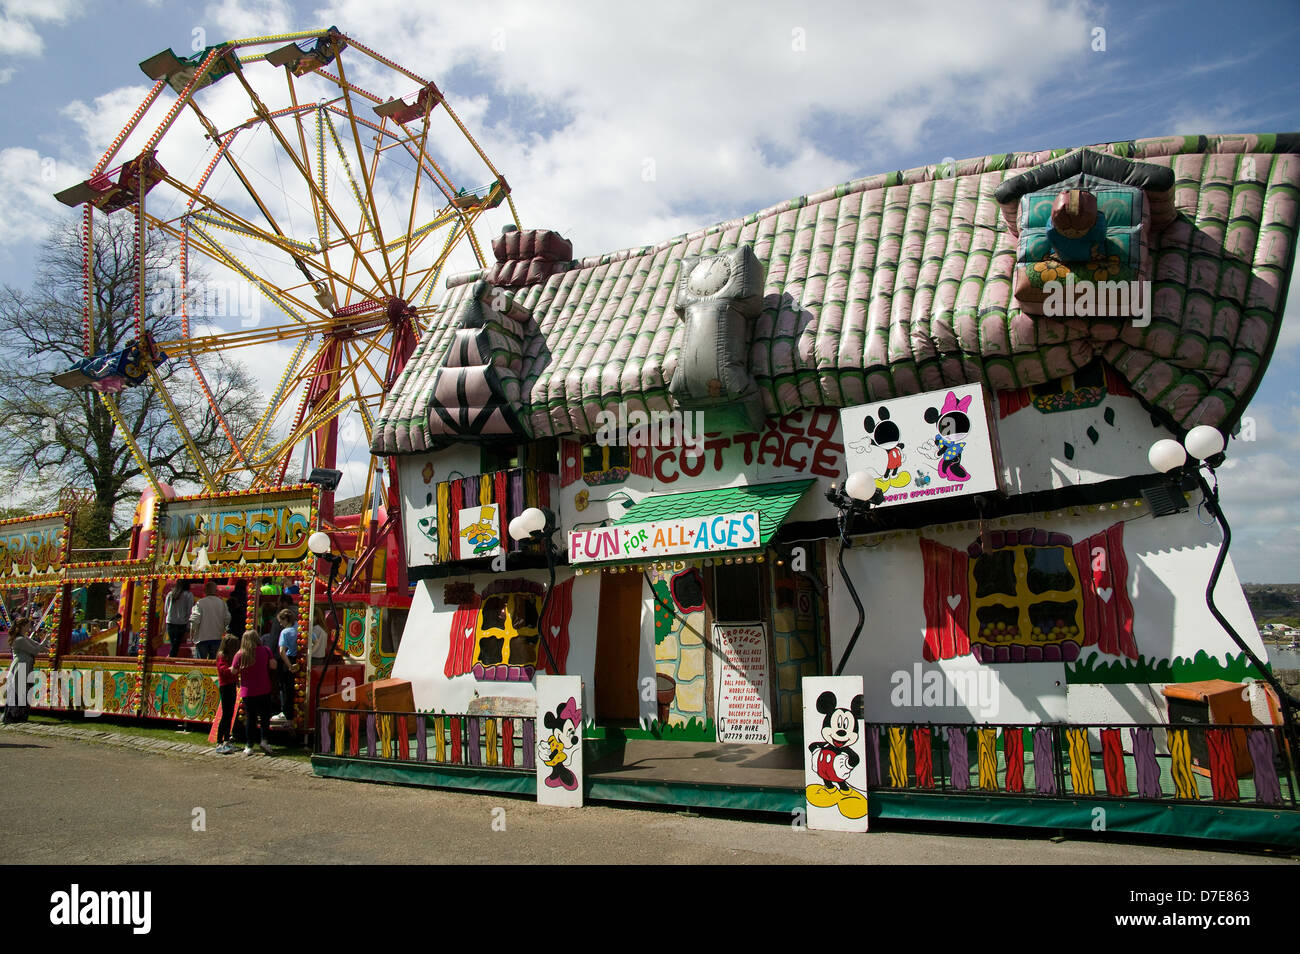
(496,635)
(1107,612)
(947,601)
(1028,595)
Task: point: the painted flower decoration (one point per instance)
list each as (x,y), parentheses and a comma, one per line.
(1104,268)
(1051,270)
(581,499)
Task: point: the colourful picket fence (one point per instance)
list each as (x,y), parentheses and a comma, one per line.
(479,741)
(1239,765)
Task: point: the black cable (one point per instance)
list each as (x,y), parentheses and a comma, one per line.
(846,544)
(329,656)
(1210,496)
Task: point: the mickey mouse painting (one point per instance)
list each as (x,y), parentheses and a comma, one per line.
(884,435)
(557,750)
(834,759)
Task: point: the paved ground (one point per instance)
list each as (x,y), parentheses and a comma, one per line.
(124,800)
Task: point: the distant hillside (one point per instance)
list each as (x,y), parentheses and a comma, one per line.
(1272,602)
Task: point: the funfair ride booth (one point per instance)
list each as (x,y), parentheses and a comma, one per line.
(253,537)
(32,554)
(895,432)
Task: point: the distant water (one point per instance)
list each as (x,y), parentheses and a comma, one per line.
(1282,658)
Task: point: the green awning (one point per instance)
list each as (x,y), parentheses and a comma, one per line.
(772,502)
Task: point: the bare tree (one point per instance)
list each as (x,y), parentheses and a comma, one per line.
(54,437)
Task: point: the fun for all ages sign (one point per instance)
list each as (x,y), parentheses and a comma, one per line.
(662,538)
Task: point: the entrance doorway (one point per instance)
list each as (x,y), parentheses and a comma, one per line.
(618,646)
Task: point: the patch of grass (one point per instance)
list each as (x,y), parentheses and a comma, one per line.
(1180,669)
(692,731)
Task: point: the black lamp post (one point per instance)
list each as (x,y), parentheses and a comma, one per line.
(322,546)
(858,495)
(539,523)
(1200,453)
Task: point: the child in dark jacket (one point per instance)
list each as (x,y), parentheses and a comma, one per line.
(226,683)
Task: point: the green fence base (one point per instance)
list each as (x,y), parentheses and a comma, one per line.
(1278,828)
(519,782)
(1253,826)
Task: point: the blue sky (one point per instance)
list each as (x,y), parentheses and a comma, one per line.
(737,106)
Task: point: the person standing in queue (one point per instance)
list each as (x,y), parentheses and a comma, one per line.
(320,638)
(25,649)
(179,606)
(270,627)
(227,680)
(254,665)
(288,618)
(237,603)
(208,622)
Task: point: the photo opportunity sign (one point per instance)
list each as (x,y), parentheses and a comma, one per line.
(923,446)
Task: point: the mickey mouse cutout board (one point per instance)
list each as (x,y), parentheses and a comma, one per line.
(559,741)
(924,446)
(835,764)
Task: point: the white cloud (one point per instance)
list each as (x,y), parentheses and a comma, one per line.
(27,181)
(18,19)
(232,19)
(1288,338)
(1260,485)
(730,109)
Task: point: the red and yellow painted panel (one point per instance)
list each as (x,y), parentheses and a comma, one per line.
(33,549)
(236,529)
(121,690)
(184,693)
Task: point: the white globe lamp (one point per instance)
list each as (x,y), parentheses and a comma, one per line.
(1203,442)
(1167,455)
(517,529)
(860,486)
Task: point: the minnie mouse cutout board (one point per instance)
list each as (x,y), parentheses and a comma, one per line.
(559,741)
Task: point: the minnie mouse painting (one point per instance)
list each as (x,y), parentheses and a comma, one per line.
(953,425)
(557,750)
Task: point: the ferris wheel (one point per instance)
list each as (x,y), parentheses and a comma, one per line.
(316,191)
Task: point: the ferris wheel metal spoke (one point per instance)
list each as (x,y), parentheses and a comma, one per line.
(261,110)
(257,437)
(318,214)
(248,186)
(126,434)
